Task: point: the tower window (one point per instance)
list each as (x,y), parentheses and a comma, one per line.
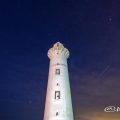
(56,113)
(57,95)
(58,63)
(57,71)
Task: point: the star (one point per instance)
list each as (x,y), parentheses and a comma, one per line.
(110,19)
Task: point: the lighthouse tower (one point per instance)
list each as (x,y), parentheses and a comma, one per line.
(58,98)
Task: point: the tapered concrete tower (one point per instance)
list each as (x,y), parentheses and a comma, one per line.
(58,98)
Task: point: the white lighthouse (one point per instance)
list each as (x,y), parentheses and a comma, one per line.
(58,98)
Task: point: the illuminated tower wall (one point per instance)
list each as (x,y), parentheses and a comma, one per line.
(58,98)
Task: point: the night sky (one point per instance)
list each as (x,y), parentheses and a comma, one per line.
(90,29)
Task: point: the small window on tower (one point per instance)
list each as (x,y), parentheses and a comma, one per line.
(57,72)
(56,113)
(57,95)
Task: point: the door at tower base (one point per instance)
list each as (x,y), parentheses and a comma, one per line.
(58,104)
